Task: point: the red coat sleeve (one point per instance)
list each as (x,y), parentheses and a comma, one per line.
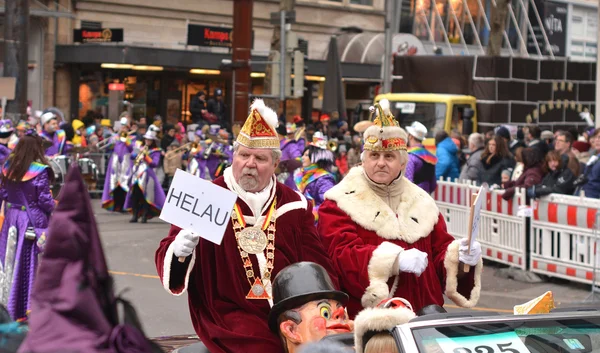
(312,246)
(349,253)
(173,274)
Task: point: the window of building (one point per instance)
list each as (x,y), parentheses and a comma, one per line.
(91,25)
(362,2)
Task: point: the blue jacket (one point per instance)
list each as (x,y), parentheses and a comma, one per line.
(448,165)
(592,186)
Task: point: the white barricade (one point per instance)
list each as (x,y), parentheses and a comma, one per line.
(502,233)
(562,237)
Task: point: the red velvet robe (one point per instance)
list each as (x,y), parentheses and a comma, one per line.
(223,318)
(364,237)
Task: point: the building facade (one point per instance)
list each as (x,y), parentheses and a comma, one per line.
(154,71)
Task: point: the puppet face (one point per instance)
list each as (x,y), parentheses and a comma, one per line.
(319,318)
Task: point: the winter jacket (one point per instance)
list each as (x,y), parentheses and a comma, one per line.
(556,182)
(473,169)
(592,175)
(530,177)
(448,164)
(492,170)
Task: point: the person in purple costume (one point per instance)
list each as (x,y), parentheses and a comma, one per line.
(195,156)
(219,152)
(421,163)
(6,131)
(146,196)
(25,192)
(292,146)
(314,179)
(53,134)
(118,171)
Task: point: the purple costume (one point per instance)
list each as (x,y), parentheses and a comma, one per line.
(144,177)
(118,174)
(197,166)
(421,168)
(220,155)
(313,182)
(59,142)
(18,255)
(290,150)
(4,153)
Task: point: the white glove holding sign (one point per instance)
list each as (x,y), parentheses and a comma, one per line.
(412,261)
(469,258)
(185,242)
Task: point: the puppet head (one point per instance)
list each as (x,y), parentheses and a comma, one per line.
(307,307)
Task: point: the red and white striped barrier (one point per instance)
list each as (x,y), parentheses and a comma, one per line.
(562,238)
(502,233)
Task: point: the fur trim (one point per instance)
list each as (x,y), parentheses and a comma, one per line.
(381,267)
(385,106)
(167,270)
(451,264)
(388,132)
(417,211)
(378,320)
(267,113)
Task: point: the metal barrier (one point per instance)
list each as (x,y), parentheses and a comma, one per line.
(563,241)
(502,232)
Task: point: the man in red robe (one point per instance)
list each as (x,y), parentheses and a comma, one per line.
(271,227)
(385,234)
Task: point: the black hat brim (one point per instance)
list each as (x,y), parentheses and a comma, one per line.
(299,300)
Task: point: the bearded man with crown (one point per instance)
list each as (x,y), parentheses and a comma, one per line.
(386,235)
(271,226)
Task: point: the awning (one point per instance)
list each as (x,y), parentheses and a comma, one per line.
(38,9)
(368,48)
(188,59)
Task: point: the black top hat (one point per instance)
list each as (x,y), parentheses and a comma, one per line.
(298,284)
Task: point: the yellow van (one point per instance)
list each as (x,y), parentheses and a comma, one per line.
(435,111)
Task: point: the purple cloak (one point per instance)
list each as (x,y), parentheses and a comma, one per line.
(118,173)
(18,255)
(144,176)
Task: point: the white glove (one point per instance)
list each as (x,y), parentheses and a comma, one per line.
(413,261)
(185,242)
(466,257)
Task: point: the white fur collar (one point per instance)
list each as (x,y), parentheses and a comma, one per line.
(257,202)
(414,218)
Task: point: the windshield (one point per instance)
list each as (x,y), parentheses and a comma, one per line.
(432,115)
(563,335)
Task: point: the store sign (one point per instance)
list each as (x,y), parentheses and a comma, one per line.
(210,36)
(116,86)
(104,35)
(555,24)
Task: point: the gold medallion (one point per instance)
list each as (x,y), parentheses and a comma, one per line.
(252,240)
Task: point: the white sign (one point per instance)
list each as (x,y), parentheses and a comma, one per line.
(481,195)
(199,205)
(405,107)
(508,342)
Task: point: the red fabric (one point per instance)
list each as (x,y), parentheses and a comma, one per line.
(351,247)
(342,163)
(222,316)
(530,177)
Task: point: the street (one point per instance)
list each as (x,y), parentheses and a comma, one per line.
(130,248)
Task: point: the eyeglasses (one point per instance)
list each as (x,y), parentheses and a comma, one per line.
(557,140)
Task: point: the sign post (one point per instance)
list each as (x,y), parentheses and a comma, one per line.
(475,217)
(199,205)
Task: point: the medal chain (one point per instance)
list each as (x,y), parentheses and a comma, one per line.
(239,224)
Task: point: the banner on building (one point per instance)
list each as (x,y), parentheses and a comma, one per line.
(555,24)
(211,36)
(102,35)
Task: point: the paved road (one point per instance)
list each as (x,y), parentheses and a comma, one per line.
(130,252)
